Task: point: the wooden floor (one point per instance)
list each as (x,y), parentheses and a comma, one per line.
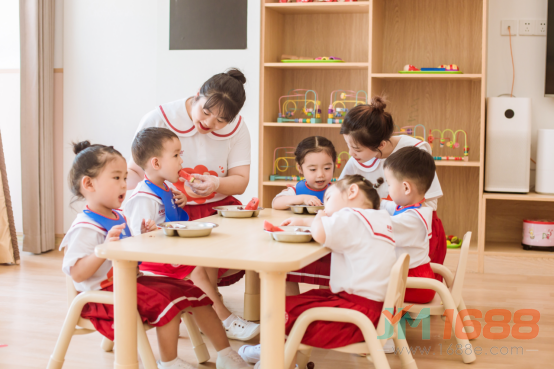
(33,306)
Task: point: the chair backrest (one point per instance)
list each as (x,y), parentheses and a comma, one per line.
(458,283)
(394,299)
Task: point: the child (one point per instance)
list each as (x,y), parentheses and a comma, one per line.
(156,150)
(361,240)
(98,175)
(315,159)
(367,130)
(409,173)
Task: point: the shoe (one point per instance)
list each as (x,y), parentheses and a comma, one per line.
(250,354)
(242,330)
(231,361)
(177,364)
(389,347)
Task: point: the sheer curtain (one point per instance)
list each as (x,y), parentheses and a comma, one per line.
(9,252)
(37,123)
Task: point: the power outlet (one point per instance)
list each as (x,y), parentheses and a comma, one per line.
(508,23)
(526,27)
(540,27)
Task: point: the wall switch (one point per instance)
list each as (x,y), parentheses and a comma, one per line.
(540,27)
(504,27)
(526,27)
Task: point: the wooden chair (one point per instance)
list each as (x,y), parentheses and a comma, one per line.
(74,324)
(448,296)
(393,299)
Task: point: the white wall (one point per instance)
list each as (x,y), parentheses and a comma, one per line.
(9,101)
(529,59)
(117,67)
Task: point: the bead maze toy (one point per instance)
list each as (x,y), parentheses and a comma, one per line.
(282,169)
(339,100)
(289,107)
(441,69)
(446,137)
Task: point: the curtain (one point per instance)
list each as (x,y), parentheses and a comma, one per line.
(9,252)
(37,123)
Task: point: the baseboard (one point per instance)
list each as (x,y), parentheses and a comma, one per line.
(59,238)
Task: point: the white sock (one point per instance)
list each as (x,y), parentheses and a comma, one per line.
(168,364)
(227,322)
(225,351)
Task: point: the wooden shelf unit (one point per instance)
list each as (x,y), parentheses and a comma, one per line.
(377,38)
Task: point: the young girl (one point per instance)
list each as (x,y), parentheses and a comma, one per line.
(361,263)
(99,176)
(368,129)
(315,160)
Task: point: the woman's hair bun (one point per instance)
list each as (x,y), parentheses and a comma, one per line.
(80,146)
(379,103)
(236,74)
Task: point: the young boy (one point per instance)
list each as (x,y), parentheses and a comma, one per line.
(157,151)
(409,173)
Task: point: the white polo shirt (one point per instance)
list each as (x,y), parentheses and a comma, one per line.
(412,231)
(373,170)
(213,153)
(143,204)
(362,257)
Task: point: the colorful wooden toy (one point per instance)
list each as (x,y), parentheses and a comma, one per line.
(341,100)
(290,112)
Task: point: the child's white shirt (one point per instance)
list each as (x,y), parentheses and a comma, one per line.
(373,170)
(143,203)
(213,153)
(363,255)
(81,239)
(412,232)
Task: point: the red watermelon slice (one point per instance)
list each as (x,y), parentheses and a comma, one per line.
(253,204)
(187,176)
(271,228)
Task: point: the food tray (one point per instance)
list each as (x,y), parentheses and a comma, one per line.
(299,209)
(234,211)
(187,229)
(292,234)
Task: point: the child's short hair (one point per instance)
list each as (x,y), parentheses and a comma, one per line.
(89,162)
(149,143)
(314,144)
(368,188)
(413,164)
(369,124)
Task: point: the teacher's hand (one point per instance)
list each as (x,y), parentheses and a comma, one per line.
(203,185)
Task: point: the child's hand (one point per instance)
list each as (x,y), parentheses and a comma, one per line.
(293,222)
(113,234)
(311,200)
(180,198)
(148,226)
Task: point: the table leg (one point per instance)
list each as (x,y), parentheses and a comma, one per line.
(125,311)
(272,337)
(252,296)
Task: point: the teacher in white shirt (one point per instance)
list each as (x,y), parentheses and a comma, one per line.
(215,142)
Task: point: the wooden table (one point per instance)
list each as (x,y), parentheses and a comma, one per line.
(235,244)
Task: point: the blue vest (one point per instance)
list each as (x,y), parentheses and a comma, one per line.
(400,209)
(108,223)
(173,213)
(303,189)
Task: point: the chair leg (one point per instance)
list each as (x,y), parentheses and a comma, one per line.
(144,348)
(68,328)
(200,349)
(303,358)
(467,323)
(406,359)
(107,344)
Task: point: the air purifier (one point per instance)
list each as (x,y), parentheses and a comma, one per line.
(508,144)
(544,182)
